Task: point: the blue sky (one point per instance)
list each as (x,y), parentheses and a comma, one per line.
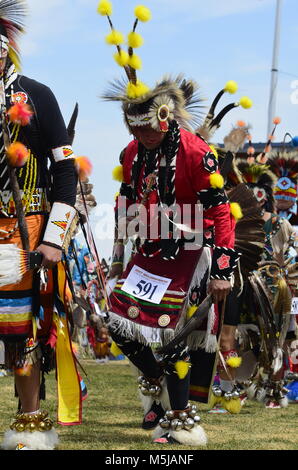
(209,41)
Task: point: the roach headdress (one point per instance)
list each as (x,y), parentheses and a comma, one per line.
(171,98)
(12,16)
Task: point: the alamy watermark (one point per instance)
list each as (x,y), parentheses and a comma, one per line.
(179,221)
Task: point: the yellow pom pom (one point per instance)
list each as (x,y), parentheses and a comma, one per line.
(136,91)
(216,181)
(234,362)
(191,310)
(135,62)
(122,58)
(245,102)
(118,173)
(231,87)
(182,368)
(115,38)
(143,13)
(213,400)
(214,151)
(233,406)
(115,350)
(105,8)
(134,40)
(236,210)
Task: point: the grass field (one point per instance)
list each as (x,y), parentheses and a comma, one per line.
(112,416)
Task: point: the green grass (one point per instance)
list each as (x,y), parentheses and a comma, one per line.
(112,416)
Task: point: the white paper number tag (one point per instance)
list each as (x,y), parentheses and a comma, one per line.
(294,309)
(146,286)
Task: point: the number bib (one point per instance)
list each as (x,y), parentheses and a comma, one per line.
(146,286)
(294,309)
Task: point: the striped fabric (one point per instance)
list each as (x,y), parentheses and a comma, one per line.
(15,316)
(149,313)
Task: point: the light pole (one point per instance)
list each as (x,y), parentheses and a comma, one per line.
(274,70)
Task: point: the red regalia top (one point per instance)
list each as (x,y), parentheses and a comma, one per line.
(195,164)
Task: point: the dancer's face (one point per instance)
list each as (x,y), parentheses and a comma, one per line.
(150,138)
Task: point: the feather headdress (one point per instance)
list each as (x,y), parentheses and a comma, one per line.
(256,176)
(12,16)
(171,98)
(284,165)
(212,122)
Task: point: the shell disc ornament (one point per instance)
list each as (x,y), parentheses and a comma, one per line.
(163,114)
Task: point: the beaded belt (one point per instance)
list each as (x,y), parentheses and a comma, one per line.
(34,201)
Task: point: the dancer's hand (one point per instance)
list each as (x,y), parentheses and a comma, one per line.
(50,255)
(219,289)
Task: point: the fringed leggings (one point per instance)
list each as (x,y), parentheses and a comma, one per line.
(143,358)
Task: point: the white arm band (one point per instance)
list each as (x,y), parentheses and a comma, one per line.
(60,219)
(63,153)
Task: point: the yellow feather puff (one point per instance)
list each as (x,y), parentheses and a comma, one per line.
(134,40)
(213,400)
(105,8)
(234,362)
(236,210)
(182,369)
(115,350)
(245,102)
(118,173)
(233,406)
(214,151)
(191,310)
(216,180)
(115,38)
(231,87)
(135,62)
(122,58)
(143,13)
(136,91)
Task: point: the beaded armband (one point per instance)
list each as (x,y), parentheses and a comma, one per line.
(60,220)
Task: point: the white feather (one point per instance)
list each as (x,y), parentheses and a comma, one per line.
(10,269)
(37,440)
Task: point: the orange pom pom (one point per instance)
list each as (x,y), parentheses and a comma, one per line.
(20,113)
(84,167)
(250,150)
(17,154)
(24,371)
(241,124)
(276,120)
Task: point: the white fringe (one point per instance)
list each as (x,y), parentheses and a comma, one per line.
(36,440)
(147,335)
(195,437)
(134,331)
(10,270)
